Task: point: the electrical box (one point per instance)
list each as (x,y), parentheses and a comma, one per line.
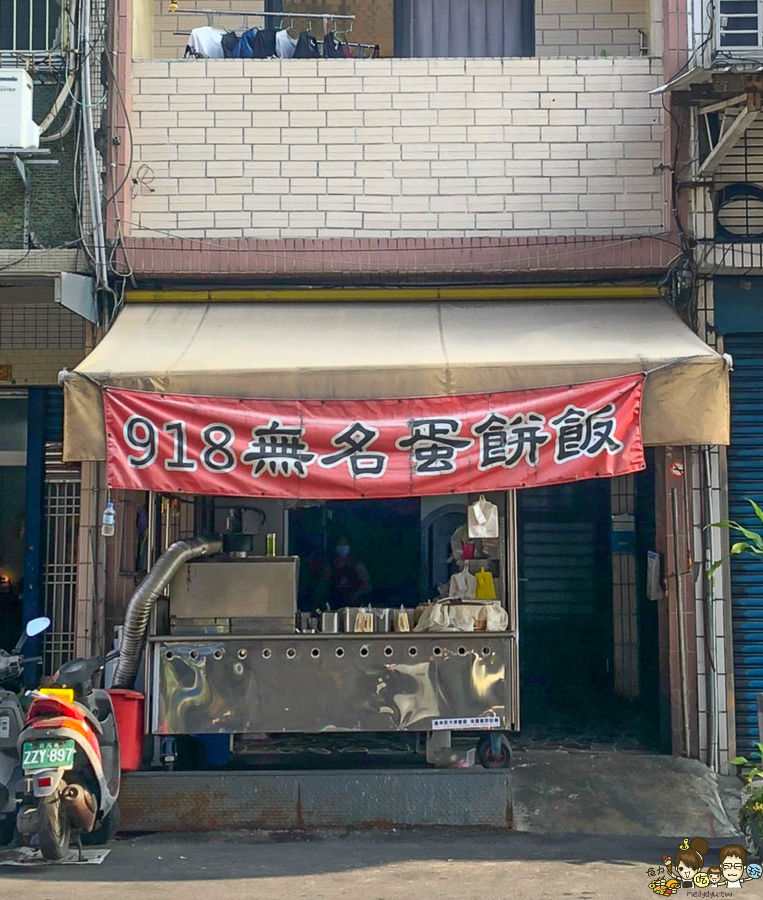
(18,130)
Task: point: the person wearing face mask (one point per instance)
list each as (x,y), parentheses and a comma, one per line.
(349,577)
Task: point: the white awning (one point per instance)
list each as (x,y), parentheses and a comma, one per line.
(354,350)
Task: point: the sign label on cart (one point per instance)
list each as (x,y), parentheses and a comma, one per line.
(353,449)
(468,724)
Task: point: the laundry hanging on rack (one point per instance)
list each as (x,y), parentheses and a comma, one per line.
(244,48)
(205,43)
(307,46)
(265,43)
(228,43)
(286,45)
(332,48)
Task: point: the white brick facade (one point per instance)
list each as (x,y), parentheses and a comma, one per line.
(395,148)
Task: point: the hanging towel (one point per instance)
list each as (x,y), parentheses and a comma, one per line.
(307,46)
(286,45)
(205,43)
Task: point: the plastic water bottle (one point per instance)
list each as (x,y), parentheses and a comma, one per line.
(109,519)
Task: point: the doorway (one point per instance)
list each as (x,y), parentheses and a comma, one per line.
(13,439)
(567,649)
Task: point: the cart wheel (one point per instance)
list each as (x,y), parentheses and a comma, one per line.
(491,760)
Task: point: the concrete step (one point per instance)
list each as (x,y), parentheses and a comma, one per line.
(202,801)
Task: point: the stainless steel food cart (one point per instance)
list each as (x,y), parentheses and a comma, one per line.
(225,658)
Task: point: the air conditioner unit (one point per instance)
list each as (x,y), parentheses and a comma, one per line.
(18,130)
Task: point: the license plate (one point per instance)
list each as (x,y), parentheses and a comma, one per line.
(48,755)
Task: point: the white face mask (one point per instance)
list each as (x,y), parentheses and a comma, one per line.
(343,550)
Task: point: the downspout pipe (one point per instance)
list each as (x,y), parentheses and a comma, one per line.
(143,599)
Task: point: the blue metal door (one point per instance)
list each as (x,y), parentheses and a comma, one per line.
(745,464)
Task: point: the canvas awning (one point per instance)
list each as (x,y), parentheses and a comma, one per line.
(354,350)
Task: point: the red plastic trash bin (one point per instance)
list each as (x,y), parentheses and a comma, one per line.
(128,712)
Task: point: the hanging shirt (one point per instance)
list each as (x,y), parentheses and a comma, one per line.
(205,43)
(286,45)
(264,44)
(307,46)
(332,48)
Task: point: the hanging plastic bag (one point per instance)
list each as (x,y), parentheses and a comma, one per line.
(485,585)
(463,585)
(482,519)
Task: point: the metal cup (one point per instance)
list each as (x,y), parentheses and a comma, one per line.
(330,622)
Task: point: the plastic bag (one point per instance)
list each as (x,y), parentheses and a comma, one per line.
(401,620)
(461,618)
(463,585)
(496,618)
(434,618)
(485,585)
(482,519)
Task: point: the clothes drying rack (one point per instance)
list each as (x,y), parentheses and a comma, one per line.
(245,14)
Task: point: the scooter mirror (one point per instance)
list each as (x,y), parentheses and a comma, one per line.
(37,626)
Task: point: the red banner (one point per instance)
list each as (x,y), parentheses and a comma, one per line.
(349,449)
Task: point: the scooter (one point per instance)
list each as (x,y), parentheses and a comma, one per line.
(70,758)
(11,723)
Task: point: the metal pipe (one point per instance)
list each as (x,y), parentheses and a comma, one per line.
(91,162)
(681,641)
(143,599)
(396,295)
(712,700)
(68,122)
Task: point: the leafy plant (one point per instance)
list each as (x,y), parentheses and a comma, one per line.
(752,810)
(755,771)
(752,543)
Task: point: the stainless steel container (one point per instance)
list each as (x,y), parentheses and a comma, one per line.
(382,620)
(348,618)
(330,622)
(350,614)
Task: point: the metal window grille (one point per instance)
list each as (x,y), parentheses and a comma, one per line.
(62,512)
(32,25)
(739,25)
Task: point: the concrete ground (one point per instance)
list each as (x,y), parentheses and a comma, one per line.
(373,866)
(584,792)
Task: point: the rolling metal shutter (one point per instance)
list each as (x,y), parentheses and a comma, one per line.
(745,464)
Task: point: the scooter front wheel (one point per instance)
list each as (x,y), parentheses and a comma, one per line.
(54,827)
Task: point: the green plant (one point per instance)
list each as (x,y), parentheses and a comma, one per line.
(752,810)
(755,770)
(753,543)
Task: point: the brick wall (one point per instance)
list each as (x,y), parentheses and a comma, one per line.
(589,27)
(393,148)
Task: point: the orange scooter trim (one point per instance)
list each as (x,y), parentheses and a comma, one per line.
(81,727)
(55,712)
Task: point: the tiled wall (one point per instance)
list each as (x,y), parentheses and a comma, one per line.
(590,27)
(392,148)
(38,340)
